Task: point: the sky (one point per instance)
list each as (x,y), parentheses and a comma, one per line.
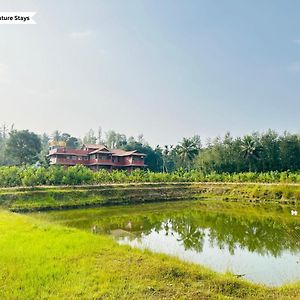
(166,69)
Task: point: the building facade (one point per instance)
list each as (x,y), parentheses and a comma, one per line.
(96,157)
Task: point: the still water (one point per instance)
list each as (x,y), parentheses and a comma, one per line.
(257,242)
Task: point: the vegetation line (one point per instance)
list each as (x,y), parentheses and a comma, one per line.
(58,197)
(258,152)
(79,175)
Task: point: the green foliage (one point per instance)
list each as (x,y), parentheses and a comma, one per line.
(187,151)
(251,150)
(10,176)
(23,147)
(29,177)
(90,137)
(4,134)
(79,175)
(153,158)
(70,141)
(264,152)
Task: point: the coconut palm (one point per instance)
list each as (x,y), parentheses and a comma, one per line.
(250,150)
(187,150)
(165,156)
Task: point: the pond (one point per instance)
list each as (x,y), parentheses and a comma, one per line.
(258,242)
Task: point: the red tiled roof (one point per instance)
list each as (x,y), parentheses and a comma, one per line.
(93,146)
(100,150)
(81,152)
(68,151)
(120,152)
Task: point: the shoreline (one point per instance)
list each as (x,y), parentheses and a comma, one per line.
(41,198)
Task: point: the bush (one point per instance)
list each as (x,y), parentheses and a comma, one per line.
(10,176)
(78,175)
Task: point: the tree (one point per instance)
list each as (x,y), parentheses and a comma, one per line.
(289,147)
(56,135)
(99,137)
(110,138)
(153,158)
(187,150)
(70,141)
(4,134)
(115,140)
(169,159)
(165,153)
(90,137)
(23,147)
(250,150)
(44,160)
(270,154)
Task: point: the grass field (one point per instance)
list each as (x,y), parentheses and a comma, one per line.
(40,260)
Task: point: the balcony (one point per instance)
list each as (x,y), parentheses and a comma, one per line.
(140,163)
(100,162)
(129,162)
(64,161)
(104,162)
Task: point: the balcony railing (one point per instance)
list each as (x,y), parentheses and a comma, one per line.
(65,161)
(100,161)
(129,163)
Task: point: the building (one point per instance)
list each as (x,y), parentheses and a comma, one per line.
(96,157)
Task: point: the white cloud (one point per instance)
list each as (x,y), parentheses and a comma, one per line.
(295,66)
(80,34)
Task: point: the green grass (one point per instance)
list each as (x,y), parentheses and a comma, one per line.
(47,198)
(40,260)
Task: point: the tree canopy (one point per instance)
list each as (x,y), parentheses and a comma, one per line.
(23,147)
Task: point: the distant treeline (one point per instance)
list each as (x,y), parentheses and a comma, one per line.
(258,152)
(79,175)
(268,151)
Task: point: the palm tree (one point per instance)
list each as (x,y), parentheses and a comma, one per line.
(165,157)
(56,135)
(250,150)
(187,151)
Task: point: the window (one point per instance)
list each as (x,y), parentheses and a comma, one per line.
(105,157)
(136,158)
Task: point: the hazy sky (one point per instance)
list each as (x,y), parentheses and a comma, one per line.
(166,69)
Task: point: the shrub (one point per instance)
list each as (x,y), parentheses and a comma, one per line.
(77,175)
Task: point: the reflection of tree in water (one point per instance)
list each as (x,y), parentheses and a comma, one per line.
(191,235)
(264,235)
(261,235)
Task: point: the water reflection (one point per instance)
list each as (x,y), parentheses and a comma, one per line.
(266,236)
(261,242)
